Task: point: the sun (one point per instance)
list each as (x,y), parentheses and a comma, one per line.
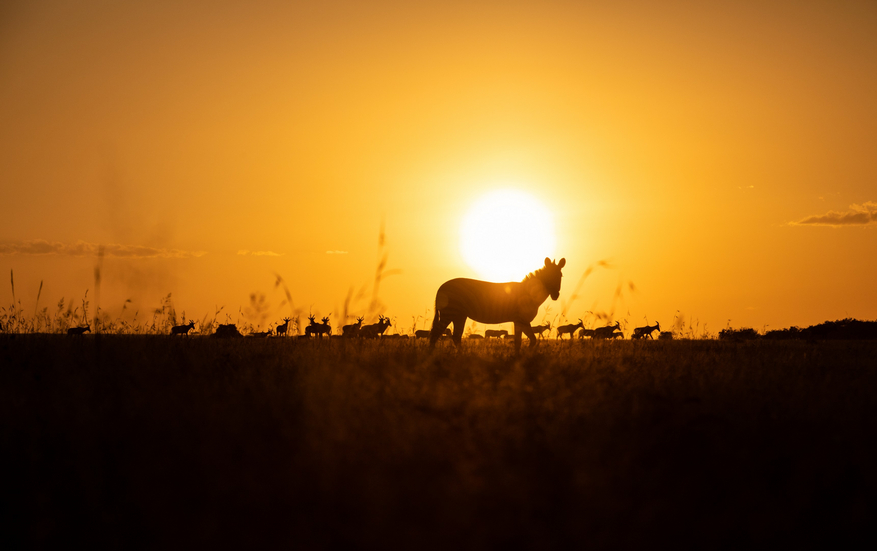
(506,234)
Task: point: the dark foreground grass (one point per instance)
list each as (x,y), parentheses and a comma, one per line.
(157,442)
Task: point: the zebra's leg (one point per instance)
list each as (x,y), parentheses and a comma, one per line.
(518,328)
(438,327)
(530,334)
(459,325)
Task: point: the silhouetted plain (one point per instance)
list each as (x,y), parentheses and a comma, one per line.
(152,441)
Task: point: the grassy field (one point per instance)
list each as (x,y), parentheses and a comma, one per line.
(151,441)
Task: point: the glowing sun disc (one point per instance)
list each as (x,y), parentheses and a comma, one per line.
(506,234)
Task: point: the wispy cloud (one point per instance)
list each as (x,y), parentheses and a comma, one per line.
(857,215)
(244,252)
(336,252)
(81,248)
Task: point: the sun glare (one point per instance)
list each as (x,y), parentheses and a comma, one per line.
(506,234)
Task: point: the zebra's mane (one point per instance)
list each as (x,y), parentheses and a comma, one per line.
(534,274)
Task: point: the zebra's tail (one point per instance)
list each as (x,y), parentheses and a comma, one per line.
(435,318)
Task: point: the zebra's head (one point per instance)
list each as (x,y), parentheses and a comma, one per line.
(551,276)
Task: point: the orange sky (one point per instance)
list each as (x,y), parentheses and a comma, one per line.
(720,156)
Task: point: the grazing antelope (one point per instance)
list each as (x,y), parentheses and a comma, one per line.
(421,334)
(261,334)
(541,329)
(183,329)
(318,329)
(353,329)
(79,330)
(495,333)
(608,332)
(642,332)
(375,330)
(494,303)
(281,329)
(571,329)
(476,336)
(588,333)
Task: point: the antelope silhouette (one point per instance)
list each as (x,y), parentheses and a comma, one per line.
(281,329)
(183,329)
(353,329)
(571,329)
(261,334)
(376,329)
(642,332)
(79,330)
(491,303)
(318,329)
(495,333)
(608,332)
(541,329)
(424,333)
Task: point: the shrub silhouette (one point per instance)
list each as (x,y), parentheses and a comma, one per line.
(845,329)
(227,331)
(742,334)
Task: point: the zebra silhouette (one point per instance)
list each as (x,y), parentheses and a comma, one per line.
(494,303)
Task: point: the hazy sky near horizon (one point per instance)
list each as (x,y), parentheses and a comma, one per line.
(720,156)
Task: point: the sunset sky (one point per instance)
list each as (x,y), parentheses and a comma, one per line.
(720,158)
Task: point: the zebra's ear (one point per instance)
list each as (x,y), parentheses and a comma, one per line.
(547,261)
(562,263)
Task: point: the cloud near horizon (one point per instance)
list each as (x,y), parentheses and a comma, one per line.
(245,252)
(858,215)
(81,248)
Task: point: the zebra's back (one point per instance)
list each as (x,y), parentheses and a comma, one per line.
(484,301)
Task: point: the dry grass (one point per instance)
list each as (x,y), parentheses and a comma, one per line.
(139,441)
